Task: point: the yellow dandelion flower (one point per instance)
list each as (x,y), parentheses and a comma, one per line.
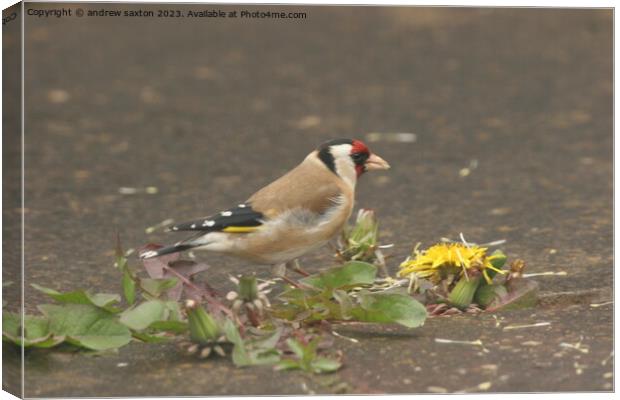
(443,259)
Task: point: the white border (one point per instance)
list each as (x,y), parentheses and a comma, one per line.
(478,3)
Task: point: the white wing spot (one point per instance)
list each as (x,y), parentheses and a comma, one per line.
(226,213)
(208,222)
(193,226)
(175,228)
(242,206)
(148,254)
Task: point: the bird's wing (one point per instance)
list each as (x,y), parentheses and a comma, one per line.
(240,219)
(310,187)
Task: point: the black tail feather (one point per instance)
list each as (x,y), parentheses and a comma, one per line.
(165,250)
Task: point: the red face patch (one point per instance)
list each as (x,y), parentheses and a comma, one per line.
(359,153)
(359,147)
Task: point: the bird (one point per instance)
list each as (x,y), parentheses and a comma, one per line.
(293,215)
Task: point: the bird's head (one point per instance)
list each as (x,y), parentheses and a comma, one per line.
(349,158)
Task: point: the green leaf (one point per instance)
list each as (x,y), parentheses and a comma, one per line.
(497,259)
(252,352)
(37,332)
(170,326)
(310,351)
(11,324)
(269,341)
(487,294)
(240,356)
(86,326)
(264,357)
(522,293)
(129,287)
(143,315)
(145,337)
(102,300)
(286,364)
(156,287)
(389,308)
(296,347)
(353,273)
(323,364)
(36,327)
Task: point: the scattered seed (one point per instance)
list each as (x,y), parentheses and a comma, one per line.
(547,273)
(577,346)
(127,190)
(465,342)
(206,352)
(500,211)
(489,367)
(350,339)
(133,190)
(122,364)
(579,368)
(608,375)
(309,121)
(192,349)
(163,223)
(437,389)
(230,296)
(398,137)
(604,362)
(595,305)
(531,343)
(473,164)
(509,327)
(220,351)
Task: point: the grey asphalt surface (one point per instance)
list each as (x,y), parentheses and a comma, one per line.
(209,110)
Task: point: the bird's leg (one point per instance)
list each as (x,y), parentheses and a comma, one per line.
(279,270)
(293,265)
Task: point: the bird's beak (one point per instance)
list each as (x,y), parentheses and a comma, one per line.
(375,162)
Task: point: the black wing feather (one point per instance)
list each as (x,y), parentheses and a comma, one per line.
(241,216)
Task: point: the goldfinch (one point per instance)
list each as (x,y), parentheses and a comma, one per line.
(293,215)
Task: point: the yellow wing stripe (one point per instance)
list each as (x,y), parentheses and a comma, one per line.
(239,229)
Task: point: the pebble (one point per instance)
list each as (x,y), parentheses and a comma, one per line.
(58,96)
(500,211)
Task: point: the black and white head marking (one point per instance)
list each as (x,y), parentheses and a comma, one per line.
(341,157)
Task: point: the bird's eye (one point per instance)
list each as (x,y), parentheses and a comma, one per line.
(359,158)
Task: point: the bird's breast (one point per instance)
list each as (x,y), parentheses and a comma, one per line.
(293,234)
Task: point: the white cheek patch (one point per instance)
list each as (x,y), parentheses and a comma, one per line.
(345,167)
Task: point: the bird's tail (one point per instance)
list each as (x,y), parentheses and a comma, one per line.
(175,248)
